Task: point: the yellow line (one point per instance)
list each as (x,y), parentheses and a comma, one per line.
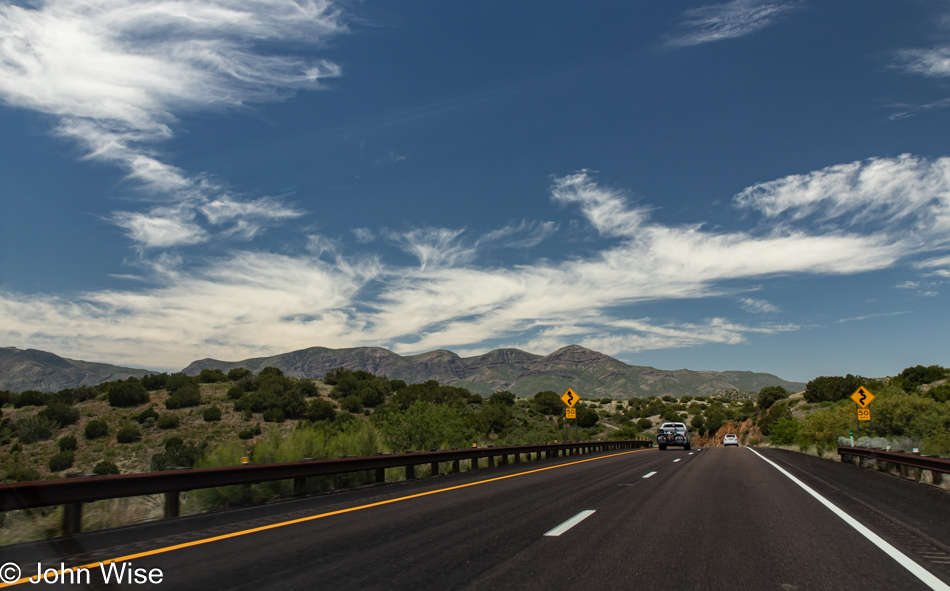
(319,516)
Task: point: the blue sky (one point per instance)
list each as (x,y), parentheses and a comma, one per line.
(755,185)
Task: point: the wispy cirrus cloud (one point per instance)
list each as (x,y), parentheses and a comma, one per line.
(758,306)
(729,20)
(870,316)
(256,303)
(115,75)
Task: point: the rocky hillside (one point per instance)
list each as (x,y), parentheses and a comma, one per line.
(30,369)
(589,373)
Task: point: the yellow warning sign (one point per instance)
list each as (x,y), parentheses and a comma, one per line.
(864,414)
(570,398)
(862,397)
(570,413)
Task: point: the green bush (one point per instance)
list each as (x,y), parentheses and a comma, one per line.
(168,421)
(67,443)
(95,429)
(236,373)
(128,393)
(155,381)
(274,415)
(177,381)
(784,431)
(504,397)
(178,454)
(770,395)
(235,392)
(61,414)
(212,376)
(547,402)
(320,410)
(128,434)
(644,424)
(148,413)
(29,398)
(913,377)
(211,414)
(22,474)
(423,426)
(351,404)
(940,393)
(104,468)
(34,428)
(250,432)
(61,461)
(185,396)
(832,388)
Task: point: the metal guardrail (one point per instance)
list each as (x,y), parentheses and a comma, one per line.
(937,466)
(73,492)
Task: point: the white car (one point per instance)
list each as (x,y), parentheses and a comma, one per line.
(730,439)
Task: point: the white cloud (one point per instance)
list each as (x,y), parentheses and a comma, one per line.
(114,74)
(908,285)
(716,22)
(258,303)
(524,235)
(758,306)
(363,235)
(870,316)
(931,61)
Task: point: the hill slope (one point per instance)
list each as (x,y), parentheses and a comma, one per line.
(31,369)
(589,373)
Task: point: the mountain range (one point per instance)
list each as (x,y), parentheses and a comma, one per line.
(31,369)
(589,373)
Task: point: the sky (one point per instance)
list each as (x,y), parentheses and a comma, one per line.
(747,185)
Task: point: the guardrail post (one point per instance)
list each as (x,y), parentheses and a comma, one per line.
(456,467)
(937,477)
(72,518)
(491,461)
(434,469)
(518,458)
(380,475)
(410,472)
(474,462)
(172,504)
(300,486)
(503,460)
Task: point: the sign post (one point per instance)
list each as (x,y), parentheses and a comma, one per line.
(570,399)
(862,398)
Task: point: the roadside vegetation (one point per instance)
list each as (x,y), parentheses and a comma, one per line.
(166,421)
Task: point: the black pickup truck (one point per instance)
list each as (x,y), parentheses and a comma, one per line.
(672,434)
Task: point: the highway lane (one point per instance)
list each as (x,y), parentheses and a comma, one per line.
(707,519)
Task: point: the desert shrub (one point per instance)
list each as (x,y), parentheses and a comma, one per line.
(910,415)
(504,397)
(212,376)
(95,429)
(770,395)
(940,393)
(644,424)
(104,468)
(168,421)
(61,414)
(177,381)
(34,428)
(128,434)
(333,376)
(913,377)
(423,426)
(236,373)
(177,454)
(29,398)
(250,432)
(320,410)
(547,402)
(6,397)
(155,381)
(777,412)
(274,415)
(784,431)
(235,392)
(274,391)
(148,413)
(21,473)
(131,392)
(307,388)
(211,414)
(61,461)
(832,388)
(586,416)
(431,391)
(351,404)
(625,432)
(185,396)
(67,443)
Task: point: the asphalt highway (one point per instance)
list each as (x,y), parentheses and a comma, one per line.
(715,518)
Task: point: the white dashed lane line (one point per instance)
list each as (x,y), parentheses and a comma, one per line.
(676,460)
(569,523)
(650,474)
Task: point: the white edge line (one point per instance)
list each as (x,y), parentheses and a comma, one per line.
(649,474)
(901,558)
(570,523)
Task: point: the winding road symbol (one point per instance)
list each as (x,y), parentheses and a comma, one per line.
(570,398)
(862,397)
